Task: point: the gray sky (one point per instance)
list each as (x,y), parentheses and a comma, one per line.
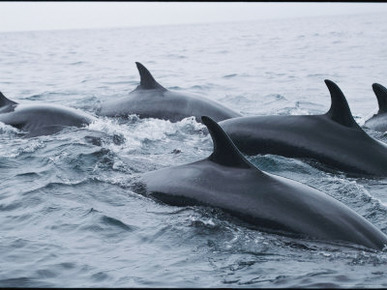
(25,16)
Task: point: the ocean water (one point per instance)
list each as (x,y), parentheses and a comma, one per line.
(69,215)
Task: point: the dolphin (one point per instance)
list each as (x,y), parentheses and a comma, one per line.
(227,180)
(334,139)
(151,100)
(378,122)
(41,119)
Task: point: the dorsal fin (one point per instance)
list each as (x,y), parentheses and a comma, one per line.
(339,111)
(4,101)
(147,82)
(225,152)
(381,95)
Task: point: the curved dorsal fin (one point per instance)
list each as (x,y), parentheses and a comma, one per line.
(225,152)
(381,95)
(4,101)
(147,82)
(339,111)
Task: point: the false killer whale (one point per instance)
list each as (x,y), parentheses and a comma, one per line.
(151,100)
(378,122)
(40,119)
(333,139)
(227,180)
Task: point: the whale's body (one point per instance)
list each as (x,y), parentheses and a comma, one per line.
(334,138)
(41,119)
(228,181)
(151,100)
(378,122)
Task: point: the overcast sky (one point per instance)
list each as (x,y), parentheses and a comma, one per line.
(25,16)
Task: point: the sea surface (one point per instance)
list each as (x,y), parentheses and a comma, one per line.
(69,214)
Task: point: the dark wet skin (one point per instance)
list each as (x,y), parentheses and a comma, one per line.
(229,181)
(151,100)
(41,119)
(333,139)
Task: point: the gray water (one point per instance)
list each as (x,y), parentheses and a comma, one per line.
(68,213)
